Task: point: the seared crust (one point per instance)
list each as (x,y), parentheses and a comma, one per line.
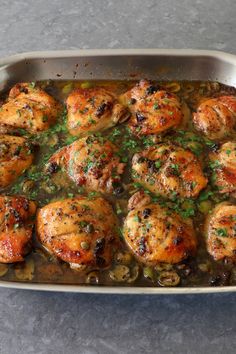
(16,223)
(93,109)
(92,163)
(79,231)
(153,110)
(154,234)
(15,157)
(216,117)
(28,108)
(224,165)
(166,169)
(220,231)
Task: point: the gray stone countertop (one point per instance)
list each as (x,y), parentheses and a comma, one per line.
(37,322)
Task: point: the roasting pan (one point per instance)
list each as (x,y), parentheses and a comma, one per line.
(118,64)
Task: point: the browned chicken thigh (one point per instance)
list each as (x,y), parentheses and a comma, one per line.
(16,223)
(79,231)
(90,162)
(28,108)
(220,230)
(15,157)
(93,109)
(153,110)
(216,117)
(223,163)
(167,169)
(154,234)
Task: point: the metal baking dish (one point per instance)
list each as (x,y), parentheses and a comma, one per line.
(165,64)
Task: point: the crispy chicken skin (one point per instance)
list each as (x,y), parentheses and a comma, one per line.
(28,108)
(90,162)
(153,110)
(15,157)
(220,230)
(16,223)
(93,109)
(166,169)
(154,234)
(216,117)
(224,163)
(79,231)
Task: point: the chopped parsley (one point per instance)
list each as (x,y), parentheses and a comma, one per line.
(222,232)
(158,164)
(205,195)
(156,106)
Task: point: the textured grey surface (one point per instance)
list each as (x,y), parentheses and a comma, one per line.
(56,24)
(58,323)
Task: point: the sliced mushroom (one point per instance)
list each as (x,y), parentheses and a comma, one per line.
(173,86)
(120,273)
(120,114)
(134,274)
(189,88)
(168,278)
